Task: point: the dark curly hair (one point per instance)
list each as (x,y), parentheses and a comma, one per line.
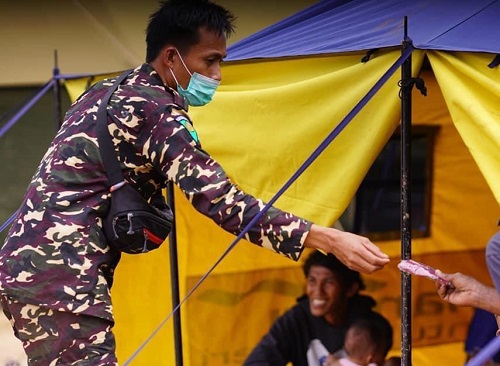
(177,22)
(346,276)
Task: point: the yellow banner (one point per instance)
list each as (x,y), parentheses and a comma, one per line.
(269,116)
(472,93)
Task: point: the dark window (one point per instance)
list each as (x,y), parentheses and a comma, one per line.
(375,211)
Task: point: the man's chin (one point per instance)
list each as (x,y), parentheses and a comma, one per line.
(317,311)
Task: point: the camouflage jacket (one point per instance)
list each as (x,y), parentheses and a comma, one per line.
(55,254)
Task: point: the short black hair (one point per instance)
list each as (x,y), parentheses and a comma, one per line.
(177,22)
(346,276)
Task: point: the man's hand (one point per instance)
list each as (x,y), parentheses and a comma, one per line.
(467,291)
(356,252)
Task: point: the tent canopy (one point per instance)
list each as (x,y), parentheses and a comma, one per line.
(277,112)
(333,26)
(458,37)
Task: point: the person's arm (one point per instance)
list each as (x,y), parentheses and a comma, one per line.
(210,191)
(356,252)
(266,353)
(332,360)
(467,291)
(277,347)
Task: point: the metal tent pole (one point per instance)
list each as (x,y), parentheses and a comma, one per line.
(174,279)
(406,87)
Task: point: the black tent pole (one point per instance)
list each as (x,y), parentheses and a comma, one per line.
(174,279)
(406,87)
(57,92)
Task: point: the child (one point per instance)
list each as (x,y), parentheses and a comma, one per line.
(364,345)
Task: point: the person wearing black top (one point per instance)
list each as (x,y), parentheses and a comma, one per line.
(316,326)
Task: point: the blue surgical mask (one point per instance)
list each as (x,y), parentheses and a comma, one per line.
(200,90)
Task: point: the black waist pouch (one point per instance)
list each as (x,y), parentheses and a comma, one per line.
(132,224)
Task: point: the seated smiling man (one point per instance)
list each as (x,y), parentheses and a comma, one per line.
(316,326)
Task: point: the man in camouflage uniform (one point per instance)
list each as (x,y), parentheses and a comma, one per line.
(56,267)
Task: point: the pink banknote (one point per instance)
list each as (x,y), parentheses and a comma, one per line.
(419,269)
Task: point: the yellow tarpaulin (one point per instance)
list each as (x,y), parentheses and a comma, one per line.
(266,118)
(472,93)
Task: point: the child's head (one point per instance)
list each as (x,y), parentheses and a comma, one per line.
(365,342)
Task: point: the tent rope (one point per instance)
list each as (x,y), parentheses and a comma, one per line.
(7,223)
(28,105)
(486,353)
(408,85)
(336,131)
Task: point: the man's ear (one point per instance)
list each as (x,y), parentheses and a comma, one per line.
(353,290)
(168,55)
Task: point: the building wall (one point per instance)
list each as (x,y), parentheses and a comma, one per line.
(97,36)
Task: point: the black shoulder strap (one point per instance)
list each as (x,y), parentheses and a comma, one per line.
(106,147)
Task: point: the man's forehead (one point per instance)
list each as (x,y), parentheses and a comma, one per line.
(205,51)
(323,271)
(211,40)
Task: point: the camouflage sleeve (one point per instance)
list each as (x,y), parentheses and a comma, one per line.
(173,150)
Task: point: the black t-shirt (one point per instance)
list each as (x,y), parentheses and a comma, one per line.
(306,340)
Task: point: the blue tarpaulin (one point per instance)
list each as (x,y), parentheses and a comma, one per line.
(334,26)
